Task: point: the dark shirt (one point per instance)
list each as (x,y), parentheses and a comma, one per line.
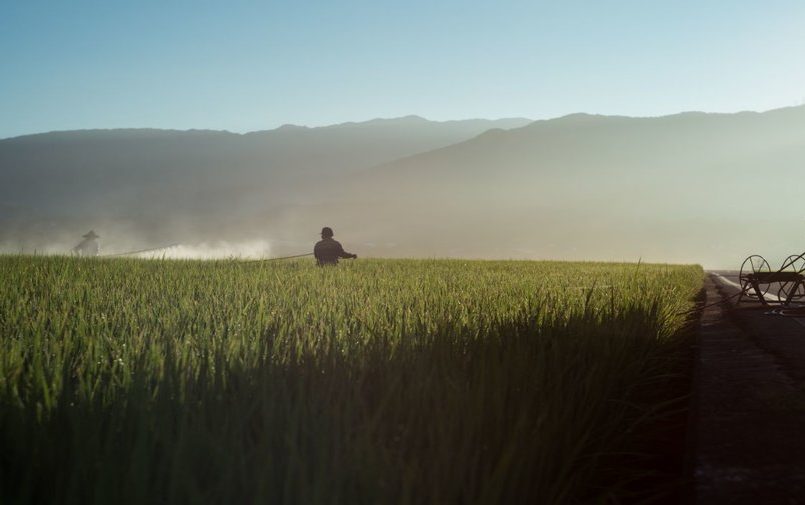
(328,250)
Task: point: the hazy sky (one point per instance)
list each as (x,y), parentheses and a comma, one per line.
(254,65)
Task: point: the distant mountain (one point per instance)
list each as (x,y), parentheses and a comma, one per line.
(150,179)
(689,187)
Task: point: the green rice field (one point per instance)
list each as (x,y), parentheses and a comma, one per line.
(378,381)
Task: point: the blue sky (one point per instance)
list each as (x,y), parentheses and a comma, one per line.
(244,66)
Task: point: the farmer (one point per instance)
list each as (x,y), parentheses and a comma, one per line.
(88,246)
(327,250)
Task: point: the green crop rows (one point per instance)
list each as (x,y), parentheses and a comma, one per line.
(379,381)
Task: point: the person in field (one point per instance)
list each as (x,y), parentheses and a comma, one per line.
(89,246)
(328,250)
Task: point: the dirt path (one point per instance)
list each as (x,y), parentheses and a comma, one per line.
(748,415)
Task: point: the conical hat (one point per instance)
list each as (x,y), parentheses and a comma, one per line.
(91,234)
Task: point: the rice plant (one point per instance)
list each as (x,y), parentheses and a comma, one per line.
(379,381)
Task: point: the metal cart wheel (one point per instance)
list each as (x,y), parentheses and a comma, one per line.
(784,292)
(793,263)
(755,264)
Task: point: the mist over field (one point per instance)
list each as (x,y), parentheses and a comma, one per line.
(689,187)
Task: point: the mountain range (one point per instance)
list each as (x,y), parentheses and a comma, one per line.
(163,184)
(690,187)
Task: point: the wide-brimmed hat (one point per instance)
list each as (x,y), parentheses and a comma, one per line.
(327,231)
(91,234)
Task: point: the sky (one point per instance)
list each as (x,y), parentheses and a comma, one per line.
(245,66)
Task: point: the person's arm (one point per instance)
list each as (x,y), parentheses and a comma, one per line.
(343,254)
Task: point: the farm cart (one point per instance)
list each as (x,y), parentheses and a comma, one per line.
(757,279)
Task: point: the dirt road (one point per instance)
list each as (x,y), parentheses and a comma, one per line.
(748,415)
